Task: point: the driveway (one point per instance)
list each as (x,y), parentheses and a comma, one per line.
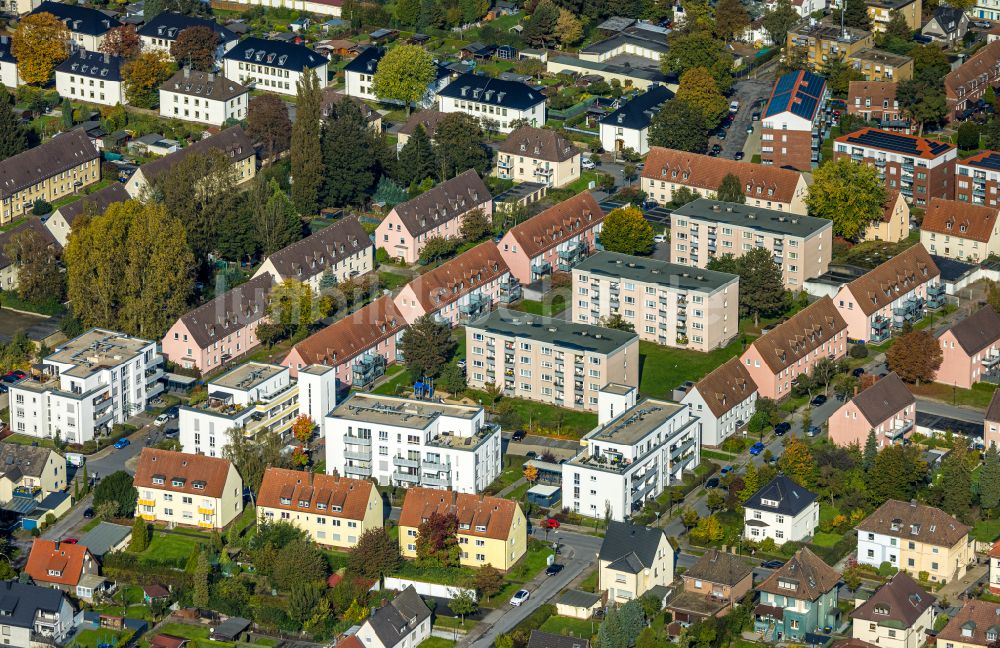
(747,92)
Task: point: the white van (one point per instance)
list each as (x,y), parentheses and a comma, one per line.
(734,106)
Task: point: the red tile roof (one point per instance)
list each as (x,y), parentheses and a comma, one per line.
(557,224)
(981,64)
(889,281)
(494,514)
(66,559)
(353,335)
(951,216)
(191,469)
(805,331)
(449,281)
(329,495)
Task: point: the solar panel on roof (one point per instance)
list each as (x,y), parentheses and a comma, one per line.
(786,83)
(991,162)
(805,107)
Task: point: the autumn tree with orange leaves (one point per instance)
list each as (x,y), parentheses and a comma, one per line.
(39,45)
(302,428)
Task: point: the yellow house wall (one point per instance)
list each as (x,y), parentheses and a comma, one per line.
(154,503)
(322,528)
(951,562)
(51,189)
(501,554)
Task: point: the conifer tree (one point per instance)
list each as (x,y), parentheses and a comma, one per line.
(307,155)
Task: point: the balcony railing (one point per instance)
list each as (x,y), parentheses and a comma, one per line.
(363,471)
(358,455)
(405,462)
(356,440)
(435,482)
(405,477)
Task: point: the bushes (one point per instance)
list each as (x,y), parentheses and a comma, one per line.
(858,351)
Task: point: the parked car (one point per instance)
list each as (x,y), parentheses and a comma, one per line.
(121,443)
(982,24)
(818,400)
(88,513)
(857,373)
(587,163)
(755,116)
(782,428)
(721,134)
(773,564)
(173,411)
(531,454)
(518,435)
(520,596)
(738,156)
(813,431)
(734,105)
(161,420)
(726,470)
(716,149)
(660,238)
(712,483)
(756,449)
(553,569)
(750,128)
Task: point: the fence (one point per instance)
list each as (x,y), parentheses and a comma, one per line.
(425,589)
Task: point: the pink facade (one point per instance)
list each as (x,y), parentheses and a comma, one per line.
(179,346)
(344,367)
(891,416)
(959,367)
(392,235)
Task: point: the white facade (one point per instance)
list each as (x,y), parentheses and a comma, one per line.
(631,138)
(162,43)
(877,548)
(637,452)
(535,115)
(267,77)
(408,442)
(181,100)
(91,383)
(48,628)
(8,66)
(307,6)
(765,517)
(84,87)
(715,430)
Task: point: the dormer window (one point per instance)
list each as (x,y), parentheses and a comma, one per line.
(481,528)
(336,509)
(882,609)
(198,484)
(304,503)
(787,584)
(769,502)
(177,482)
(55,572)
(287,501)
(320,506)
(915,529)
(158,481)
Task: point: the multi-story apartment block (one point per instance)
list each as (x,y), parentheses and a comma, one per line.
(359,346)
(637,451)
(539,155)
(882,11)
(782,511)
(9,76)
(793,347)
(86,386)
(966,84)
(971,350)
(975,626)
(408,442)
(769,187)
(333,511)
(60,223)
(203,97)
(220,330)
(436,213)
(627,128)
(894,226)
(919,539)
(461,289)
(273,66)
(880,65)
(491,530)
(666,303)
(705,229)
(918,167)
(52,170)
(92,77)
(724,401)
(530,357)
(887,408)
(898,615)
(486,97)
(87,26)
(875,101)
(359,78)
(163,29)
(18,7)
(251,398)
(960,230)
(233,143)
(977,179)
(36,615)
(556,239)
(824,41)
(792,126)
(188,489)
(634,560)
(798,599)
(333,255)
(894,293)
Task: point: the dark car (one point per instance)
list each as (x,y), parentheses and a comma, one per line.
(88,513)
(738,156)
(173,411)
(721,134)
(712,483)
(773,564)
(857,373)
(818,400)
(553,569)
(782,428)
(531,454)
(813,431)
(755,116)
(716,149)
(518,435)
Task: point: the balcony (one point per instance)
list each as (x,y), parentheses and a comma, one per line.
(205,525)
(478,304)
(356,440)
(358,455)
(359,470)
(682,340)
(404,462)
(435,465)
(142,501)
(204,510)
(410,478)
(900,430)
(681,449)
(936,296)
(368,368)
(504,163)
(572,255)
(544,172)
(435,482)
(641,492)
(510,291)
(540,269)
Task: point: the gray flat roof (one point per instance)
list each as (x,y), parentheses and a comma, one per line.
(104,536)
(547,330)
(610,66)
(646,270)
(616,41)
(401,412)
(617,388)
(636,422)
(578,598)
(765,220)
(247,376)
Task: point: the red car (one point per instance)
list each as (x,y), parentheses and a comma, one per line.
(70,540)
(551,523)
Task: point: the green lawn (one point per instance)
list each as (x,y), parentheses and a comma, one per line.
(583,182)
(338,559)
(553,307)
(392,280)
(664,368)
(979,396)
(14,223)
(548,420)
(397,379)
(589,584)
(822,539)
(509,475)
(170,549)
(91,638)
(437,642)
(518,493)
(568,626)
(715,454)
(453,622)
(24,439)
(443,575)
(90,525)
(986,530)
(531,563)
(198,635)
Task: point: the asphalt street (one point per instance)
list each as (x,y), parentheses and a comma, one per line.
(747,92)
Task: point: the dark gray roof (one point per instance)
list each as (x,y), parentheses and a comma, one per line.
(93,65)
(19,603)
(716,566)
(443,202)
(568,335)
(949,19)
(327,247)
(61,153)
(367,61)
(541,639)
(630,547)
(766,220)
(99,201)
(487,90)
(399,617)
(232,142)
(203,84)
(638,113)
(649,270)
(230,629)
(79,19)
(169,24)
(901,600)
(104,536)
(993,411)
(616,41)
(34,224)
(274,53)
(883,399)
(977,331)
(230,311)
(29,459)
(578,598)
(791,498)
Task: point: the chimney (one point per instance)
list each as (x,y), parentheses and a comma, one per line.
(56,543)
(211,76)
(187,72)
(107,58)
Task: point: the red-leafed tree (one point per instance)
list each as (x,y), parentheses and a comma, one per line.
(915,357)
(122,41)
(437,543)
(195,48)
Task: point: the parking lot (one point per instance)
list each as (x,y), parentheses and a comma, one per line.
(751,93)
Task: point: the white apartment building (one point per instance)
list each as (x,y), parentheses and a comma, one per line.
(87,385)
(502,101)
(665,303)
(724,400)
(160,32)
(782,511)
(8,65)
(203,97)
(253,397)
(549,360)
(638,450)
(359,78)
(627,128)
(87,26)
(92,77)
(274,66)
(409,442)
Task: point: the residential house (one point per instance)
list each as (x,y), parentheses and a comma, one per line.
(87,26)
(30,471)
(331,101)
(627,37)
(782,511)
(704,229)
(880,65)
(715,584)
(967,83)
(233,143)
(667,170)
(334,255)
(187,489)
(887,409)
(882,11)
(162,30)
(18,7)
(898,614)
(358,346)
(724,400)
(9,76)
(273,65)
(491,530)
(635,453)
(627,128)
(460,289)
(971,350)
(221,329)
(556,239)
(798,599)
(894,226)
(991,422)
(35,616)
(922,540)
(793,347)
(975,626)
(794,112)
(539,155)
(359,78)
(427,119)
(894,293)
(59,565)
(634,560)
(60,223)
(437,213)
(920,168)
(416,443)
(85,386)
(959,230)
(995,566)
(947,26)
(818,41)
(54,169)
(92,77)
(404,622)
(32,227)
(318,7)
(977,179)
(203,97)
(333,511)
(502,101)
(875,101)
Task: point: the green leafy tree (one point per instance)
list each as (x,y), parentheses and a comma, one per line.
(955,483)
(143,76)
(731,189)
(426,346)
(200,581)
(617,322)
(12,135)
(897,27)
(452,379)
(683,196)
(751,482)
(375,556)
(463,604)
(417,160)
(798,462)
(348,156)
(696,49)
(303,599)
(540,28)
(848,193)
(140,536)
(898,472)
(269,125)
(488,581)
(40,278)
(731,19)
(679,126)
(839,75)
(253,455)
(626,230)
(968,136)
(475,226)
(762,290)
(306,149)
(408,12)
(779,21)
(404,74)
(856,15)
(989,481)
(459,145)
(117,489)
(698,89)
(915,357)
(275,222)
